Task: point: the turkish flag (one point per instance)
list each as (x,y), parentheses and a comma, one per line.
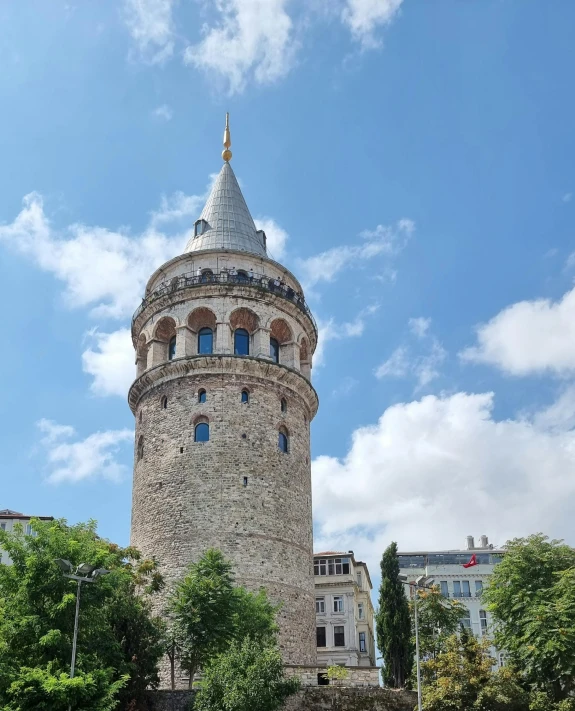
(472,562)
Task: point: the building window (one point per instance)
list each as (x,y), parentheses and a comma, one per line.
(338,636)
(241,342)
(362,644)
(207,275)
(320,566)
(320,636)
(461,588)
(283,405)
(359,581)
(202,396)
(245,396)
(319,605)
(360,610)
(140,452)
(172,348)
(242,276)
(478,588)
(205,341)
(444,589)
(501,660)
(3,526)
(202,432)
(483,621)
(322,679)
(465,621)
(274,350)
(199,227)
(283,442)
(165,403)
(28,529)
(341,566)
(338,603)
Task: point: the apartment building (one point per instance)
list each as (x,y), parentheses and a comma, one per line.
(8,519)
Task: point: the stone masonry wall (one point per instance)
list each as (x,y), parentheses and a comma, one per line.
(356,676)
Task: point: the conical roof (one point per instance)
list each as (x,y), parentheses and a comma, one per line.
(227,220)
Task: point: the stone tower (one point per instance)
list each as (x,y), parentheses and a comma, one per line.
(223,404)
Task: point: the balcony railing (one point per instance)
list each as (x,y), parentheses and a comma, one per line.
(258,281)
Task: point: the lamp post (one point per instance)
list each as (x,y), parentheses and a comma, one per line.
(84,573)
(423,582)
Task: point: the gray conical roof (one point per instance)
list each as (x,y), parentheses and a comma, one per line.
(229,223)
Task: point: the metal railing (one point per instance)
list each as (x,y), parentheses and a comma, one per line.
(258,281)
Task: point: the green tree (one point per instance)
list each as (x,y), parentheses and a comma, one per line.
(438,618)
(393,623)
(531,596)
(118,638)
(254,616)
(248,676)
(202,607)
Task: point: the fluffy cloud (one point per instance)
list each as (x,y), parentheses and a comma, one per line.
(151,25)
(396,366)
(276,237)
(110,361)
(529,337)
(252,40)
(163,113)
(363,17)
(331,331)
(419,326)
(433,470)
(74,460)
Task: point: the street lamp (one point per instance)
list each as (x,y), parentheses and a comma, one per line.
(423,582)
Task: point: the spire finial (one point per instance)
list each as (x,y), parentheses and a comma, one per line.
(226,153)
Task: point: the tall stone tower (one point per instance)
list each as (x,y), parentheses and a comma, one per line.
(223,404)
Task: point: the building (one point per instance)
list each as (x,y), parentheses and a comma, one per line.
(8,519)
(343,610)
(465,584)
(223,403)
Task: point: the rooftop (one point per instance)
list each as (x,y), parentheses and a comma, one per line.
(8,513)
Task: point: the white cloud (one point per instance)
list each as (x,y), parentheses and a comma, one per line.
(276,237)
(163,112)
(396,366)
(431,471)
(177,207)
(381,241)
(529,337)
(567,197)
(110,361)
(363,17)
(419,326)
(253,39)
(331,331)
(151,25)
(90,458)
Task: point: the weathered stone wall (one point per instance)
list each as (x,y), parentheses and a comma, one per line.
(356,676)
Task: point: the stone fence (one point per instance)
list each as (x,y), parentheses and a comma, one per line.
(356,676)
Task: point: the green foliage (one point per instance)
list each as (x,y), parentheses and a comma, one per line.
(248,676)
(117,636)
(393,624)
(531,596)
(438,618)
(337,673)
(460,678)
(254,616)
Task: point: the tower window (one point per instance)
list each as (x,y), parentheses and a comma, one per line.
(165,403)
(245,481)
(283,442)
(274,350)
(284,404)
(202,396)
(199,227)
(242,276)
(202,432)
(205,341)
(241,342)
(245,396)
(207,275)
(172,348)
(140,452)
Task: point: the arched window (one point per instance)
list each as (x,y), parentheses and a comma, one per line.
(165,402)
(274,350)
(245,396)
(202,396)
(207,275)
(242,276)
(205,341)
(241,342)
(202,432)
(283,441)
(140,453)
(172,348)
(284,404)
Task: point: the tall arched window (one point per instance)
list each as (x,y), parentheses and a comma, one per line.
(241,342)
(242,276)
(140,453)
(172,348)
(207,275)
(283,404)
(202,396)
(283,442)
(205,341)
(274,350)
(202,432)
(245,396)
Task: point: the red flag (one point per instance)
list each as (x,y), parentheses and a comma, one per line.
(472,562)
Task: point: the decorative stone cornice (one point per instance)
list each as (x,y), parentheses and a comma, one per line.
(215,364)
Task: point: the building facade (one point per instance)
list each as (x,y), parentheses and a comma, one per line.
(343,610)
(223,403)
(8,519)
(464,584)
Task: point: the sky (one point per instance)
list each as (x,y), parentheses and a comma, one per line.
(410,161)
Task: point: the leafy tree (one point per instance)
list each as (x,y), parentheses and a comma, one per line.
(254,616)
(393,624)
(118,639)
(248,676)
(202,606)
(336,673)
(532,598)
(438,618)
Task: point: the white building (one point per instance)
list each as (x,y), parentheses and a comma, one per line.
(344,611)
(456,581)
(8,519)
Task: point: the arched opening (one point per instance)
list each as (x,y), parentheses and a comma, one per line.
(274,350)
(207,276)
(241,342)
(242,276)
(140,449)
(202,322)
(280,336)
(205,341)
(243,323)
(165,402)
(283,404)
(172,348)
(283,440)
(165,335)
(245,396)
(202,396)
(202,432)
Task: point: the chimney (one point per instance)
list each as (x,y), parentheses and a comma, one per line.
(484,542)
(470,543)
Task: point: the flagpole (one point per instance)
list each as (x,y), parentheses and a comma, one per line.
(419,703)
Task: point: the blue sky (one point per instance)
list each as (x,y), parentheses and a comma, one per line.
(413,164)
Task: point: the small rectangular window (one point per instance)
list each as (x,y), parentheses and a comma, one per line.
(319,605)
(330,567)
(319,566)
(466,590)
(360,610)
(345,566)
(3,526)
(456,588)
(359,581)
(362,645)
(320,636)
(483,621)
(28,529)
(444,589)
(338,636)
(466,620)
(478,588)
(338,603)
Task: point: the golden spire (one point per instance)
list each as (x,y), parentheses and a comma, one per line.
(226,153)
